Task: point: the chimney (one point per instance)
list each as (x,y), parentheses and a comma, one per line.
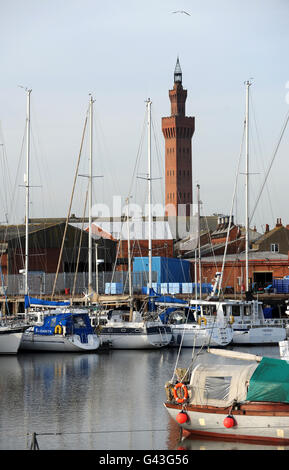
(279,223)
(267,228)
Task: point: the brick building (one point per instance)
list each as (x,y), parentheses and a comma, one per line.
(268,260)
(178,130)
(45,240)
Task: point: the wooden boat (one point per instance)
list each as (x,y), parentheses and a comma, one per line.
(232,401)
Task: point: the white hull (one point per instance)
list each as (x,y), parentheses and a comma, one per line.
(58,343)
(259,427)
(10,342)
(190,335)
(284,350)
(126,341)
(129,335)
(259,335)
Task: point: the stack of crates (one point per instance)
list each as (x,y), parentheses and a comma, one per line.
(281,286)
(187,288)
(113,287)
(155,286)
(164,288)
(174,288)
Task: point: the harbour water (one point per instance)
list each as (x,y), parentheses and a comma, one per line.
(102,401)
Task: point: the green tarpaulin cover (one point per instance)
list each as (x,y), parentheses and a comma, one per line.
(270,381)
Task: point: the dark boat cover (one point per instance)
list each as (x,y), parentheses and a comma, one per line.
(270,381)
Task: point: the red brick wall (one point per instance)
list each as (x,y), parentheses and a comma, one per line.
(233,271)
(39,260)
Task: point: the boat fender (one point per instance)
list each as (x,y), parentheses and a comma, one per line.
(231,320)
(229,421)
(202,319)
(182,417)
(185,392)
(58,330)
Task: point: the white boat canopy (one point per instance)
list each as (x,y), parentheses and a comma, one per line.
(220,386)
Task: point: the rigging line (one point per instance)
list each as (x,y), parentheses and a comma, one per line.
(230,218)
(6,172)
(103,151)
(234,263)
(270,166)
(210,239)
(138,156)
(13,197)
(79,247)
(158,157)
(116,258)
(69,210)
(260,150)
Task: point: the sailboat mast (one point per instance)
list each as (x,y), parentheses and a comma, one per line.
(248,84)
(199,240)
(129,263)
(90,197)
(149,194)
(27,188)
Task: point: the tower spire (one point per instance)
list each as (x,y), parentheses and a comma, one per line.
(178,72)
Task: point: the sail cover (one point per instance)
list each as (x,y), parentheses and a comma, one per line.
(270,381)
(32,301)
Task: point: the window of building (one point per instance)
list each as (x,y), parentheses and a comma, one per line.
(275,247)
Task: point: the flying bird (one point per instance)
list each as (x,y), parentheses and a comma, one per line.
(181,11)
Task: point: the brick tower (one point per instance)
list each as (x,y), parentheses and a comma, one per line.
(178,130)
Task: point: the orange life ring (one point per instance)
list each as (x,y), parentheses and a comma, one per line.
(185,391)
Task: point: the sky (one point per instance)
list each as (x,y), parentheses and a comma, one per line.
(124,52)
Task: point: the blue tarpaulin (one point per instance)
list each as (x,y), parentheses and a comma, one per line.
(29,301)
(168,269)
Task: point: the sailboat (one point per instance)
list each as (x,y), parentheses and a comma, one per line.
(138,330)
(247,318)
(239,402)
(11,332)
(198,323)
(60,329)
(58,326)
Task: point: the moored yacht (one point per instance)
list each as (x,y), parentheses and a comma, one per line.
(207,330)
(246,320)
(139,333)
(61,331)
(249,324)
(198,324)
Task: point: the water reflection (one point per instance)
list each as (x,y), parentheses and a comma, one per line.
(111,400)
(202,444)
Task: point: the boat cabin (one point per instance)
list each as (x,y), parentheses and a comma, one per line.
(220,385)
(66,324)
(238,310)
